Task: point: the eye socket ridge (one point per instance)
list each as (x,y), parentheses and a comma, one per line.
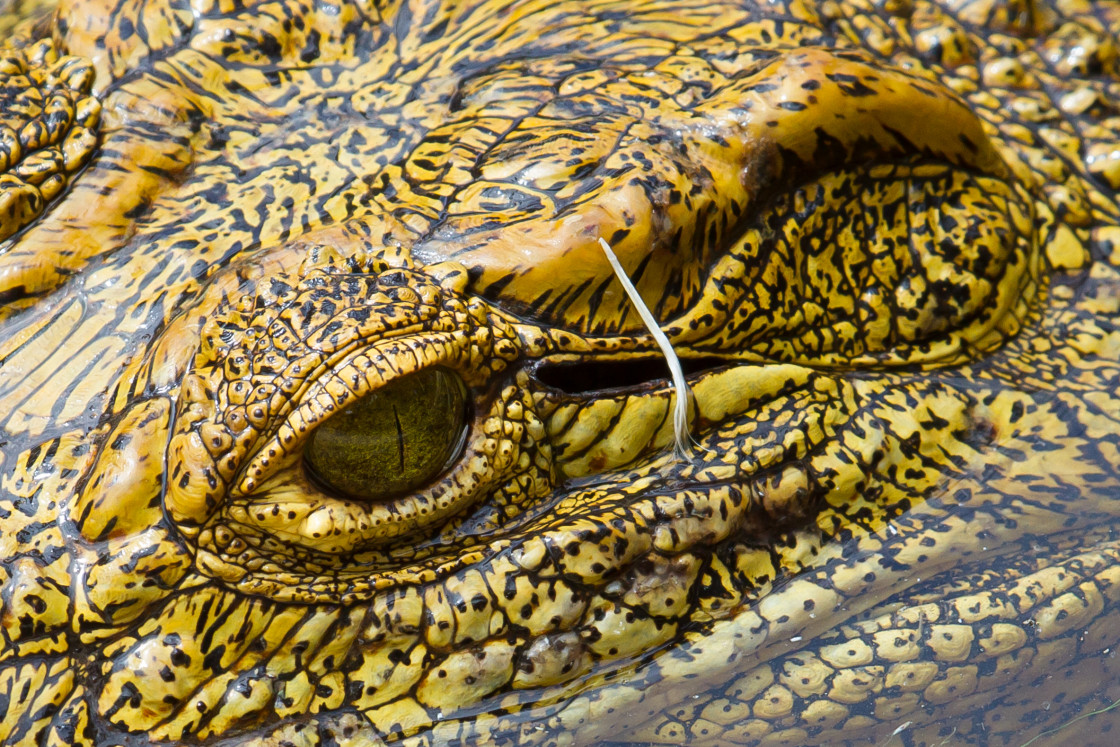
(392,441)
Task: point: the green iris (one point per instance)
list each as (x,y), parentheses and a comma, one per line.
(393,440)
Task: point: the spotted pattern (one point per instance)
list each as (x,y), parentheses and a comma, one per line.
(883,236)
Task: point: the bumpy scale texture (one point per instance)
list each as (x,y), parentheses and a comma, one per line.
(882,235)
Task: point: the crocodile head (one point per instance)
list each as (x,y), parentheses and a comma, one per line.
(325,417)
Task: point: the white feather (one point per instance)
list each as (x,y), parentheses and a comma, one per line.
(680,410)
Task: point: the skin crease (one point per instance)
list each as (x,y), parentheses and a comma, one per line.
(882,236)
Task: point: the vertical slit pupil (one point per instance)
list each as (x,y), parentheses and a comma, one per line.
(392,441)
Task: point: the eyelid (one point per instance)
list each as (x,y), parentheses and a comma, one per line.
(366,371)
(503,443)
(252,376)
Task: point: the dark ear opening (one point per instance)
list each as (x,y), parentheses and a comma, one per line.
(598,374)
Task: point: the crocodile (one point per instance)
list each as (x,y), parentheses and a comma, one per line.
(325,419)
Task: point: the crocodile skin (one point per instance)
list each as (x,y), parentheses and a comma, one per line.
(239,241)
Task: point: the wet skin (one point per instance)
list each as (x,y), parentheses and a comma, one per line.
(324,417)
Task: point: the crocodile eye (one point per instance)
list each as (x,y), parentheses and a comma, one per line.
(393,440)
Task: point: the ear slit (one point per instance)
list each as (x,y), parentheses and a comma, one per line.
(682,440)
